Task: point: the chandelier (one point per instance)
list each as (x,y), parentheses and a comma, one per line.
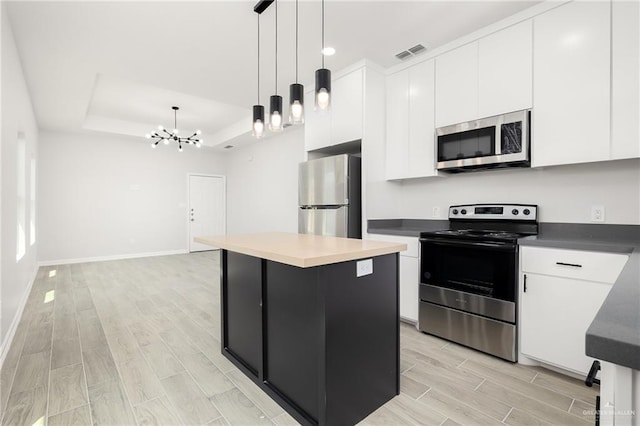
(166,136)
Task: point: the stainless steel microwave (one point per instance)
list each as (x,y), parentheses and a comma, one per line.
(499,141)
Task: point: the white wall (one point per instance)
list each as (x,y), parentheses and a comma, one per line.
(564,193)
(107,196)
(17,118)
(262,184)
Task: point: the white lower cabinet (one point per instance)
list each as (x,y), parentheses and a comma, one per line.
(560,293)
(409,274)
(409,286)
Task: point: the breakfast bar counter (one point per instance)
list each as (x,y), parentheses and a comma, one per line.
(313,321)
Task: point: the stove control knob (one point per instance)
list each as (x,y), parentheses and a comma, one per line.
(526,212)
(454,211)
(515,212)
(463,211)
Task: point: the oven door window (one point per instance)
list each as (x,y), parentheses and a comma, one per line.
(511,138)
(470,144)
(487,270)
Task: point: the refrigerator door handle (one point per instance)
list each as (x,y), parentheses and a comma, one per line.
(327,207)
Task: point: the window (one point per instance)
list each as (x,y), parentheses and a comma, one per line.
(32,205)
(21,192)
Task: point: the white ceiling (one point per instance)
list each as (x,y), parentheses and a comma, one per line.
(119,66)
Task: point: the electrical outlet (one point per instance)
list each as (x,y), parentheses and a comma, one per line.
(435,212)
(364,267)
(597,213)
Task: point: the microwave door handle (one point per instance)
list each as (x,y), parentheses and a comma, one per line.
(490,246)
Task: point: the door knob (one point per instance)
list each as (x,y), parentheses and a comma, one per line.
(192,220)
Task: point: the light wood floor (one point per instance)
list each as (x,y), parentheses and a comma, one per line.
(138,341)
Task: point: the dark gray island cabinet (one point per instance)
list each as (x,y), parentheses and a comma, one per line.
(313,321)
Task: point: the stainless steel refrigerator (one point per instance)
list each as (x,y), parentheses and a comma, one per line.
(329,197)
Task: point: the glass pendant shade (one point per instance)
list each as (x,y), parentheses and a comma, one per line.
(323,89)
(258,121)
(296,103)
(275,114)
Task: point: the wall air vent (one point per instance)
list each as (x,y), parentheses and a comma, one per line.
(411,52)
(228,147)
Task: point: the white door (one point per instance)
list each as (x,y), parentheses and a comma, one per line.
(207,206)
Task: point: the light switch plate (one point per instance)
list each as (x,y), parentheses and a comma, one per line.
(364,267)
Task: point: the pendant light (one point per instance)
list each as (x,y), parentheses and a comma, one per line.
(323,79)
(296,90)
(258,110)
(275,101)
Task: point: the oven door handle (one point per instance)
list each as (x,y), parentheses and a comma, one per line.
(480,244)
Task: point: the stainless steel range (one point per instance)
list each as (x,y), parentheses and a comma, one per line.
(469,276)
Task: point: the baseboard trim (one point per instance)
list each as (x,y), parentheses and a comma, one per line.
(6,343)
(105,258)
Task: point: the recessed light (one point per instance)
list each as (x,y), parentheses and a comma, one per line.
(328,51)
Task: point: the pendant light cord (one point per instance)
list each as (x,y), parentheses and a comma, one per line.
(258,59)
(276,47)
(175,119)
(322,34)
(296,41)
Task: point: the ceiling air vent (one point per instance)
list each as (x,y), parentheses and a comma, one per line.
(403,55)
(412,51)
(228,147)
(417,49)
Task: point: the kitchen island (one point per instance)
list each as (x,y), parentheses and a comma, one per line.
(313,321)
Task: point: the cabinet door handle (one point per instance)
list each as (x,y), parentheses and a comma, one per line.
(574,265)
(525,283)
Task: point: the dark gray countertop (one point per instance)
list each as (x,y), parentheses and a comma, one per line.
(405,227)
(578,244)
(614,334)
(581,236)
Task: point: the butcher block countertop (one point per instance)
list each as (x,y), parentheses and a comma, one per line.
(301,250)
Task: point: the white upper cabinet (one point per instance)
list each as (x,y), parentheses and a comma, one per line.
(488,77)
(571,84)
(422,120)
(397,141)
(457,85)
(504,70)
(347,107)
(344,121)
(625,80)
(317,126)
(410,142)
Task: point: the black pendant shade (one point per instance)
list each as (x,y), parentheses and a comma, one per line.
(323,89)
(258,121)
(275,113)
(296,106)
